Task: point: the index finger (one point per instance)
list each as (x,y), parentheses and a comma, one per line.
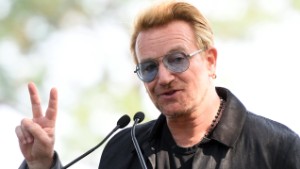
(35,101)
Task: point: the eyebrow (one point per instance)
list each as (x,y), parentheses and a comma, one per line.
(176,49)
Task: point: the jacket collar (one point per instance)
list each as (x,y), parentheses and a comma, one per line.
(232,121)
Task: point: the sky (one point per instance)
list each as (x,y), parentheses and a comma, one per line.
(261,70)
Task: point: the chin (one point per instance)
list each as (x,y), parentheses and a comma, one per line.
(172,112)
(175,115)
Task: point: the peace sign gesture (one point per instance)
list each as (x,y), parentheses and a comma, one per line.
(37,135)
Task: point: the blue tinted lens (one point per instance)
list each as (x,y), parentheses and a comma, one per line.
(147,70)
(176,62)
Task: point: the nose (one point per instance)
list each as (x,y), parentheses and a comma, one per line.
(164,75)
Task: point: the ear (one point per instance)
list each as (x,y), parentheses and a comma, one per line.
(211,57)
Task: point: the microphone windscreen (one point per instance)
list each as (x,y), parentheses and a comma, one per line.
(123,121)
(140,116)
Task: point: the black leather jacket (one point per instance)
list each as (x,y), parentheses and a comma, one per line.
(241,140)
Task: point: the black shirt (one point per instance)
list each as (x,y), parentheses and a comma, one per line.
(172,156)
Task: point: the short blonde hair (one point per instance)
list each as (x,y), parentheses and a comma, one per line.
(168,11)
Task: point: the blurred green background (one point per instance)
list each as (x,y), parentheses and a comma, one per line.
(81,47)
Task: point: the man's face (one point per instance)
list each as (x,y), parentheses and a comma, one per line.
(176,94)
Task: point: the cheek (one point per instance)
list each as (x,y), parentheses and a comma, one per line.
(150,89)
(200,69)
(198,77)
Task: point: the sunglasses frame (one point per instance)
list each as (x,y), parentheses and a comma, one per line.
(155,61)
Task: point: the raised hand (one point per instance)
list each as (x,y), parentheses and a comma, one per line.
(37,135)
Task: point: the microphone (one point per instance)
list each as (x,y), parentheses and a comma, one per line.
(138,117)
(122,122)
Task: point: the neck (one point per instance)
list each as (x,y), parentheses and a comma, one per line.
(188,130)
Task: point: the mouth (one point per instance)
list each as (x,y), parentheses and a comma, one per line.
(169,93)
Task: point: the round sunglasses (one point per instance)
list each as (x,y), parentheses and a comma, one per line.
(176,62)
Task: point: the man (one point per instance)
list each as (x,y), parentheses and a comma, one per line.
(200,126)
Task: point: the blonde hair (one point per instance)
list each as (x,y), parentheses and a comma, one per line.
(168,11)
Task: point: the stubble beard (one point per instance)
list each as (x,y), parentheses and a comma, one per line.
(172,112)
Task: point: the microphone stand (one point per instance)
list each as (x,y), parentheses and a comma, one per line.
(138,117)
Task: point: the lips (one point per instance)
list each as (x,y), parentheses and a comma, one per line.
(168,93)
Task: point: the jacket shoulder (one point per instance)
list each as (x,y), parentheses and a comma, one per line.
(274,140)
(266,127)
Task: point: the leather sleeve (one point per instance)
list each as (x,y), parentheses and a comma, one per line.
(56,163)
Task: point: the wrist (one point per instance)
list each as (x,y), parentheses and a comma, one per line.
(45,163)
